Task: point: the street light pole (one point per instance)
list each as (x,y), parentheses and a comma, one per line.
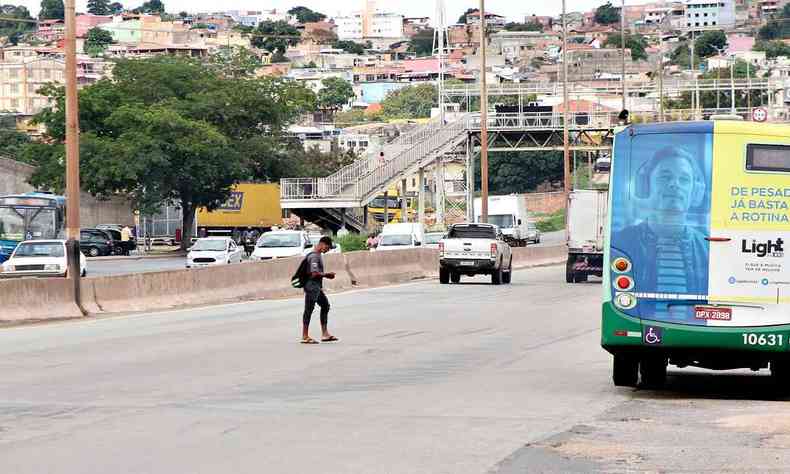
(72,152)
(622,47)
(565,105)
(483,118)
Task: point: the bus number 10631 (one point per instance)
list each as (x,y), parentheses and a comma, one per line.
(752,339)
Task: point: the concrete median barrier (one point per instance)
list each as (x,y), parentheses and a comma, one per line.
(525,257)
(34,299)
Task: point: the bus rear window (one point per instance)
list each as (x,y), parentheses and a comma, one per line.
(774,158)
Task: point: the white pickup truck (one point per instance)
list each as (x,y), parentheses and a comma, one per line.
(474,249)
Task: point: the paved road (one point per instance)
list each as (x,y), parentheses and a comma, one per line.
(427,379)
(552,238)
(123,266)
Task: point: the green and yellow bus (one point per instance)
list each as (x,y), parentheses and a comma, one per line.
(695,270)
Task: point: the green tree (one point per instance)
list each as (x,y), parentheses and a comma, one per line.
(422,42)
(773,49)
(171,129)
(531,26)
(636,43)
(12,143)
(462,18)
(521,171)
(777,28)
(349,46)
(151,7)
(705,46)
(97,41)
(99,7)
(410,102)
(306,15)
(723,99)
(335,93)
(275,37)
(116,8)
(607,14)
(51,10)
(11,28)
(236,61)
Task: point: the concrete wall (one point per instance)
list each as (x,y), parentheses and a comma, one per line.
(13,180)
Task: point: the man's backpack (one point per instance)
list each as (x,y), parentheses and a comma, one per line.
(300,277)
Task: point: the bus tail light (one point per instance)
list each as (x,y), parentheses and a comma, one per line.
(493,250)
(625,301)
(624,283)
(621,265)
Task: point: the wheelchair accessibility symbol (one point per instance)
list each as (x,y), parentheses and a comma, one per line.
(653,335)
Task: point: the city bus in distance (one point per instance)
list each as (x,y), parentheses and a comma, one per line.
(696,268)
(32,216)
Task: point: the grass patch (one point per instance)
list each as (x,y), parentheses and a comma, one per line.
(550,222)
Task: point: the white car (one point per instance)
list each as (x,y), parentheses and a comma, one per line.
(214,251)
(39,258)
(281,244)
(432,239)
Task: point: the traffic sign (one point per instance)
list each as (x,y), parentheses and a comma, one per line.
(759,114)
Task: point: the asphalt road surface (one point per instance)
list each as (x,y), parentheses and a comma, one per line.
(427,378)
(134,265)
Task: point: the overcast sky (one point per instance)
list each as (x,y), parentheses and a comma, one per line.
(513,9)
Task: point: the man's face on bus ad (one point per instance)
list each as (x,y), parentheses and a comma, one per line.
(671,184)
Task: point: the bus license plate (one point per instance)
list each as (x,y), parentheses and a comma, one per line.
(713,313)
(467,263)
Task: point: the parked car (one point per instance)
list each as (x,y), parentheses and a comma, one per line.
(475,249)
(400,236)
(39,258)
(603,164)
(211,251)
(96,243)
(116,231)
(533,233)
(281,244)
(432,239)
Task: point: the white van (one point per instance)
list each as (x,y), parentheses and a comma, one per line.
(509,213)
(401,236)
(281,244)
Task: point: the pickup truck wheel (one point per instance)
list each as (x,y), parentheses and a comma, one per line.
(444,276)
(496,277)
(508,275)
(455,277)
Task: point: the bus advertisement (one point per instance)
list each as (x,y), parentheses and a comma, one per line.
(31,216)
(695,270)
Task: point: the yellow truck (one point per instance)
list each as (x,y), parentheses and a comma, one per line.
(251,206)
(376,208)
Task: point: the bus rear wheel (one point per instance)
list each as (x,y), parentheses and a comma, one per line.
(653,372)
(780,373)
(625,371)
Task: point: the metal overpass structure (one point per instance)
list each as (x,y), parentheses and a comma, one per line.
(340,199)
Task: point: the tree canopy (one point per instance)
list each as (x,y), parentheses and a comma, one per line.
(705,46)
(99,7)
(462,18)
(306,15)
(97,41)
(116,8)
(335,93)
(51,10)
(607,14)
(773,49)
(13,29)
(169,130)
(636,43)
(422,42)
(531,26)
(709,100)
(275,37)
(351,47)
(410,102)
(520,171)
(151,6)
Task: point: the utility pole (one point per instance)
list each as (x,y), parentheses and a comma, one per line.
(72,153)
(483,117)
(622,47)
(565,105)
(732,86)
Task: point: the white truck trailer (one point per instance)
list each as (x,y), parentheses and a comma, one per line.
(587,211)
(509,213)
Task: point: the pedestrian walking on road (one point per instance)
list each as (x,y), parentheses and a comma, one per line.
(314,292)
